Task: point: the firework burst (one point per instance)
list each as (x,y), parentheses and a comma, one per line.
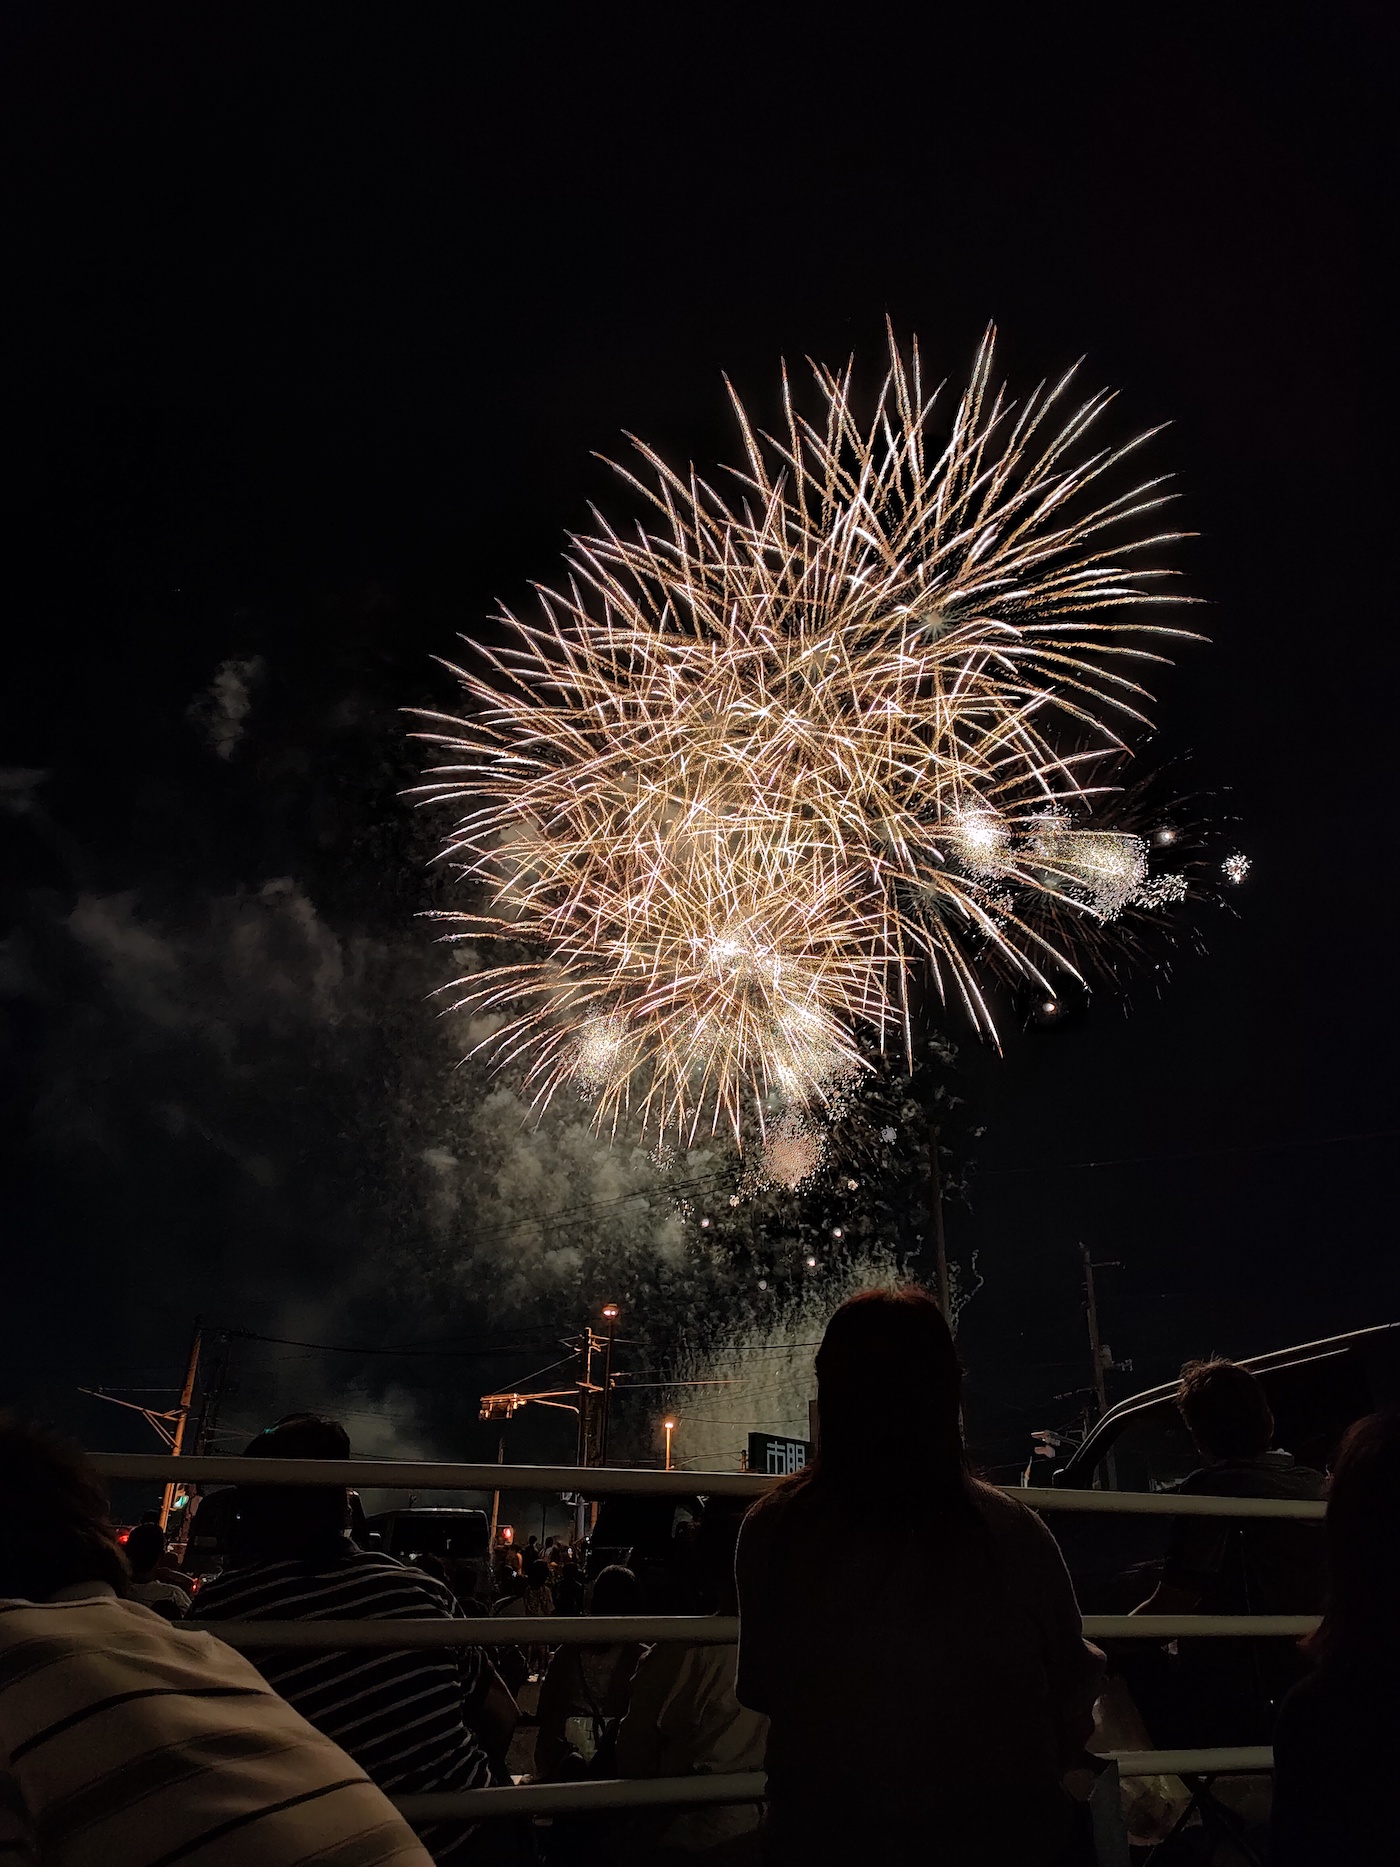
(754,765)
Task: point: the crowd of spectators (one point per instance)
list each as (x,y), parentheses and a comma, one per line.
(942,1702)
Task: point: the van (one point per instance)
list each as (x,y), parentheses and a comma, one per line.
(1316,1391)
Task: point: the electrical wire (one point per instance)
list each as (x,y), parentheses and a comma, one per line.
(1210,1153)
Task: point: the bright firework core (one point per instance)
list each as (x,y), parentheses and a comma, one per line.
(749,770)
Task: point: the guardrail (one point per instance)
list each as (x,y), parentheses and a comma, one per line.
(703,1630)
(538,1799)
(608,1481)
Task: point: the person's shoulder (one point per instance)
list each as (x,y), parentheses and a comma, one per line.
(1003,1514)
(1275,1475)
(1017,1531)
(373,1566)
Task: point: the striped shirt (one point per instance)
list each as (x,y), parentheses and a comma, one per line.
(128,1742)
(401,1715)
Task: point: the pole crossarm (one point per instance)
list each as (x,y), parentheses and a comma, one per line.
(601,1481)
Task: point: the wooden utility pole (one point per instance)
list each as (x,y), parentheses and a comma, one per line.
(1091,1312)
(496,1497)
(182,1415)
(587,1348)
(610,1316)
(213,1400)
(940,1249)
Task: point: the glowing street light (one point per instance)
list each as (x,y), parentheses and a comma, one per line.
(670,1426)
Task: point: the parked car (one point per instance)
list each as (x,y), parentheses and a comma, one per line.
(452,1532)
(1315,1390)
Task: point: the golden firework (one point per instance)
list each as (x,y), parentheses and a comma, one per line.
(755,763)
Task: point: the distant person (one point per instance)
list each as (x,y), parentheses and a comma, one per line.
(585,1688)
(1227,1691)
(535,1599)
(1339,1730)
(416,1720)
(128,1742)
(570,1589)
(150,1577)
(684,1719)
(932,1714)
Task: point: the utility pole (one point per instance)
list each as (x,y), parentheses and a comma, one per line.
(496,1500)
(940,1249)
(610,1317)
(1103,1359)
(588,1345)
(213,1401)
(182,1415)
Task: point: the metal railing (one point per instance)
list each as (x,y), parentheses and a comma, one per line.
(537,1799)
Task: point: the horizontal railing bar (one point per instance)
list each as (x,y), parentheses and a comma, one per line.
(749,1786)
(608,1481)
(712,1630)
(1236,1760)
(503,1630)
(1198,1626)
(1164,1504)
(654,1792)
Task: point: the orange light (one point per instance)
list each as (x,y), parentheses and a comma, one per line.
(610,1312)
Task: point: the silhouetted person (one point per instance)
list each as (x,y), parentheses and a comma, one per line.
(684,1719)
(151,1582)
(1227,1691)
(129,1742)
(1338,1732)
(415,1719)
(932,1715)
(585,1688)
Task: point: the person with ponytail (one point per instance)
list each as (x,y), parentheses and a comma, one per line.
(935,1711)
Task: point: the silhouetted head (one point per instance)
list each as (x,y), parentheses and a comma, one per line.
(889,1397)
(55,1529)
(539,1575)
(144,1548)
(1226,1410)
(1363,1542)
(303,1522)
(616,1591)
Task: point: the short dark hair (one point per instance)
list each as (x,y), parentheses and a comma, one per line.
(300,1436)
(145,1545)
(616,1591)
(1225,1409)
(288,1522)
(539,1575)
(55,1527)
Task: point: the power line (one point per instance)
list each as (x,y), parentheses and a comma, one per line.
(567,1213)
(1210,1153)
(351,1348)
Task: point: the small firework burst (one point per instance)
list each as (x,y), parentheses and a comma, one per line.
(1162,891)
(1235,867)
(793,1153)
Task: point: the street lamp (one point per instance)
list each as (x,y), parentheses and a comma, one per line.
(670,1426)
(610,1314)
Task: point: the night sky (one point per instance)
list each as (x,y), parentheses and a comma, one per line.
(317,315)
